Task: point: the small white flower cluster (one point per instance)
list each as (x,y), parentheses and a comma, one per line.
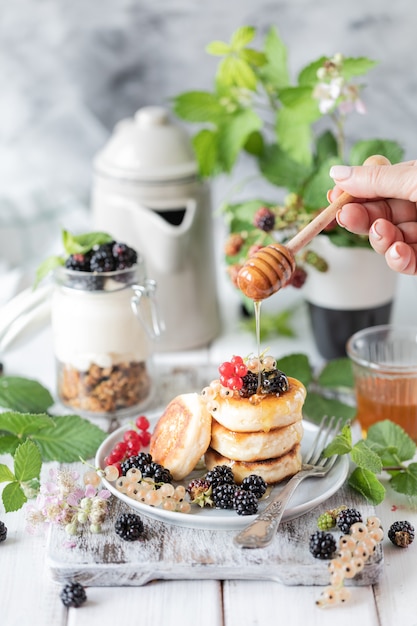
(334,92)
(354,550)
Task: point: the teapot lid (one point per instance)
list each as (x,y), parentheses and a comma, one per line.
(147,147)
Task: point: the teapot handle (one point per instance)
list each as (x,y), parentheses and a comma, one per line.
(145,308)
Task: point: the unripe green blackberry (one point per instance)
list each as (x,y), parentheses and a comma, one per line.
(325,521)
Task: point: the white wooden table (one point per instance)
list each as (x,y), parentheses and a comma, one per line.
(29,596)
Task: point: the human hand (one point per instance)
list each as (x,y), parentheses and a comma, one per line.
(386,209)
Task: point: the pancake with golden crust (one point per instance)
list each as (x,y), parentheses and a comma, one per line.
(272,470)
(182,434)
(263,412)
(255,446)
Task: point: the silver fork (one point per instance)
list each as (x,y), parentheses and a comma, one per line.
(261,531)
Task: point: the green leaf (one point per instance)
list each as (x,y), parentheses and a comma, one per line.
(235,135)
(236,72)
(242,36)
(6,475)
(363,456)
(406,481)
(254,144)
(275,72)
(281,170)
(205,147)
(27,461)
(356,66)
(317,405)
(70,438)
(198,107)
(341,444)
(253,57)
(80,244)
(13,497)
(390,442)
(326,149)
(367,484)
(24,395)
(297,366)
(336,374)
(272,324)
(46,267)
(218,48)
(366,148)
(308,74)
(23,424)
(8,443)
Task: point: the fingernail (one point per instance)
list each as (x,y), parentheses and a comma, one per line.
(393,252)
(339,220)
(340,172)
(374,232)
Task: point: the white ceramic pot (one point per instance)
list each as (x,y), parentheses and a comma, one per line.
(356,292)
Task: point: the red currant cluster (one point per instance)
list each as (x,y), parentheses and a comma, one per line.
(133,441)
(232,372)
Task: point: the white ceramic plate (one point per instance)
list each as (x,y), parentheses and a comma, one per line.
(308,495)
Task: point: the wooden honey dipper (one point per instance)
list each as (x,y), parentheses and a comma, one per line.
(272,267)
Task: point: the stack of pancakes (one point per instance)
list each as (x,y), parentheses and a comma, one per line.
(261,438)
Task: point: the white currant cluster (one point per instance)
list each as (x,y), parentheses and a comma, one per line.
(354,550)
(145,490)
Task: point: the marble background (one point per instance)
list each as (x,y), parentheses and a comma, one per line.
(71,69)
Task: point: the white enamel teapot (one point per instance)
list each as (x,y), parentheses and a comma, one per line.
(147,193)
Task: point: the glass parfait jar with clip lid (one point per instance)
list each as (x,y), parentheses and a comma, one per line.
(104,325)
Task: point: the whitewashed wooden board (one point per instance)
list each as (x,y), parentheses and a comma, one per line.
(170,553)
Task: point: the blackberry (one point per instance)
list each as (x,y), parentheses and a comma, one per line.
(220,474)
(223,495)
(245,502)
(3,532)
(264,219)
(274,382)
(140,461)
(250,385)
(199,491)
(255,484)
(124,255)
(346,518)
(73,595)
(159,473)
(129,526)
(401,534)
(78,262)
(322,545)
(102,259)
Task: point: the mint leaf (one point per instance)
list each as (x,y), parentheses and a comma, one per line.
(13,497)
(80,244)
(27,461)
(317,405)
(22,424)
(390,442)
(70,438)
(406,481)
(46,267)
(6,475)
(341,444)
(363,456)
(24,395)
(297,366)
(336,374)
(367,484)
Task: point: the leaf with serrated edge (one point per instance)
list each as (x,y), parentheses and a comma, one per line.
(24,423)
(27,461)
(390,442)
(297,366)
(406,480)
(6,474)
(316,405)
(337,374)
(364,457)
(8,444)
(70,438)
(24,395)
(13,497)
(367,484)
(341,444)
